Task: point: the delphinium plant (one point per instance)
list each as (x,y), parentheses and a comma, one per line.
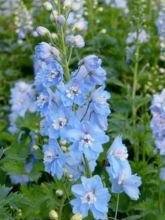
(74,108)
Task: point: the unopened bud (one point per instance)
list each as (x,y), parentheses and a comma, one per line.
(59,192)
(42,31)
(48,6)
(53,215)
(61,20)
(77,216)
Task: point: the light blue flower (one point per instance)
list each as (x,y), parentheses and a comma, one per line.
(90,196)
(88,139)
(54,158)
(126,182)
(59,120)
(48,71)
(50,74)
(22,100)
(119,171)
(91,71)
(117,155)
(73,92)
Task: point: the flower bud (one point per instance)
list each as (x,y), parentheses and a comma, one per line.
(53,215)
(48,6)
(77,216)
(42,31)
(61,19)
(59,192)
(79,41)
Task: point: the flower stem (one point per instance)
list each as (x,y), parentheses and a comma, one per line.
(88,171)
(61,207)
(134,89)
(117,206)
(64,52)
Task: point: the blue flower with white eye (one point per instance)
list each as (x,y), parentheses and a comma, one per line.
(54,158)
(124,181)
(59,120)
(117,155)
(51,74)
(88,139)
(90,196)
(73,92)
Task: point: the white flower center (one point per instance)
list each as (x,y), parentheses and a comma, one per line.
(41,100)
(59,123)
(52,75)
(87,140)
(122,154)
(89,198)
(101,100)
(50,156)
(73,91)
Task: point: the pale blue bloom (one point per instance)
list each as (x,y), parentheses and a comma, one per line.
(51,74)
(22,100)
(48,71)
(119,171)
(158,121)
(142,37)
(90,196)
(88,139)
(126,182)
(117,155)
(74,92)
(59,120)
(91,71)
(54,158)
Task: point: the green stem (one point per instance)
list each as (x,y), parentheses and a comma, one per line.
(61,207)
(88,171)
(117,206)
(64,52)
(134,89)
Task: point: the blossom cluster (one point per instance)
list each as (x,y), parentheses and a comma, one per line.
(142,38)
(158,124)
(71,18)
(23,21)
(22,100)
(74,116)
(119,171)
(7,7)
(160,23)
